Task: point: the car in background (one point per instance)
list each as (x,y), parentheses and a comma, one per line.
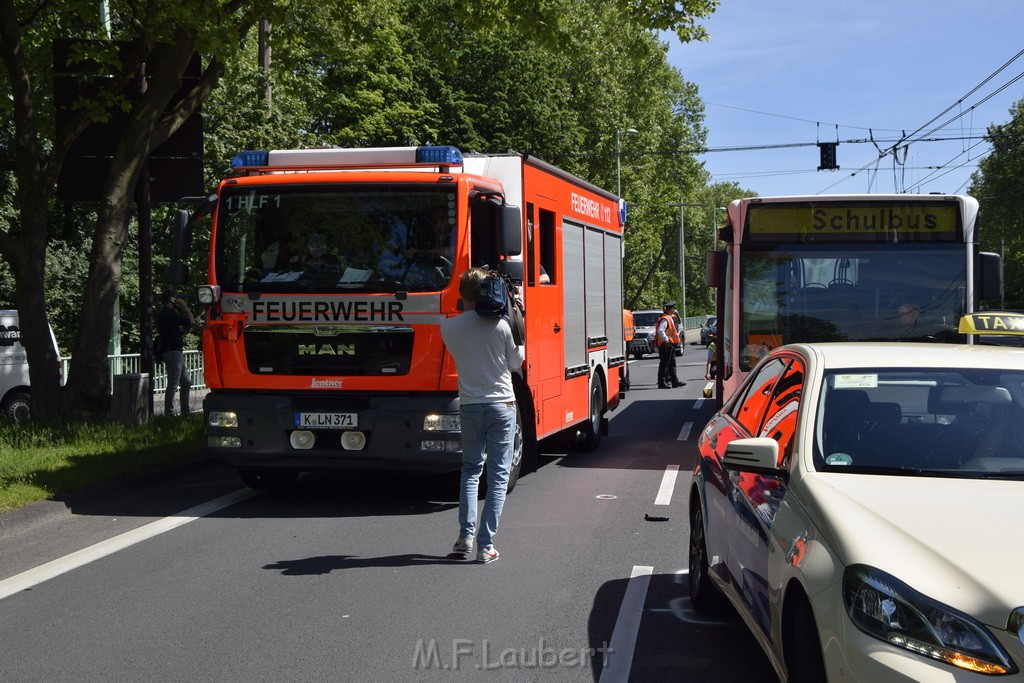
(852,502)
(708,328)
(643,339)
(15,393)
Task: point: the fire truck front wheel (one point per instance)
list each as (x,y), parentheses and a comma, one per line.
(267,479)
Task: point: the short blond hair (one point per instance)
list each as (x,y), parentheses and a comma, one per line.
(469,284)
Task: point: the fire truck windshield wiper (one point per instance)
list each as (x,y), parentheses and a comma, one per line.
(387,285)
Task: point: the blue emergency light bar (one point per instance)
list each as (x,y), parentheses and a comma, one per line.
(440,155)
(250,159)
(444,155)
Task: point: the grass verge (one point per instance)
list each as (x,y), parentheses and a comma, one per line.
(40,460)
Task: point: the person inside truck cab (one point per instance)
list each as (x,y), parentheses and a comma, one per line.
(434,237)
(299,244)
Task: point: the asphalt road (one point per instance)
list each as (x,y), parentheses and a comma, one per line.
(347,578)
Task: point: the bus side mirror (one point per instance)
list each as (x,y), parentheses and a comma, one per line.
(991,275)
(510,234)
(714,275)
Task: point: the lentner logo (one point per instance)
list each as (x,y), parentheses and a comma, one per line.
(325,383)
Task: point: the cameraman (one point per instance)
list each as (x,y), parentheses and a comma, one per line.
(172,324)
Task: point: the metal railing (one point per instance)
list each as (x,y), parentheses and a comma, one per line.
(130,363)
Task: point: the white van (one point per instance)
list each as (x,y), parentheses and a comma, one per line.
(15,401)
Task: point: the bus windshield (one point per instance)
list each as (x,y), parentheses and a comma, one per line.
(848,292)
(335,238)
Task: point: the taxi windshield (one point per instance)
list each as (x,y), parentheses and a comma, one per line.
(335,237)
(920,421)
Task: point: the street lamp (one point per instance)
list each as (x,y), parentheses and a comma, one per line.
(618,181)
(682,251)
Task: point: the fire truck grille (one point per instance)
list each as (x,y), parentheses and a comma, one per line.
(356,351)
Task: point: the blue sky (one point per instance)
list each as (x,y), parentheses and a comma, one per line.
(781,72)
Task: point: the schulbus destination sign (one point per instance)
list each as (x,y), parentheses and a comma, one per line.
(841,221)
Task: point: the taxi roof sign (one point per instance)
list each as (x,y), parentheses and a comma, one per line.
(993,322)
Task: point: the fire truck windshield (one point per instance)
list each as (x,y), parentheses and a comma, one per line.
(335,238)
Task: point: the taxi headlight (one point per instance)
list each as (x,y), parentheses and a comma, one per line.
(884,607)
(448,422)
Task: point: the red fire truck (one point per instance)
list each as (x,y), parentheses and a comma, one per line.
(330,271)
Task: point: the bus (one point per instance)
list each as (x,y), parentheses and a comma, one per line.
(844,268)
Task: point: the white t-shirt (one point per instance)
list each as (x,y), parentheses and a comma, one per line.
(485,355)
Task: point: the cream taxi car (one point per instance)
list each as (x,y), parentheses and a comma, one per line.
(858,505)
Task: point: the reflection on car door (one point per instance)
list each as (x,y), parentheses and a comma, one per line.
(770,411)
(734,422)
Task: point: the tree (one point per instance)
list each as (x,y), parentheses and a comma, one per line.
(163,35)
(998,184)
(535,75)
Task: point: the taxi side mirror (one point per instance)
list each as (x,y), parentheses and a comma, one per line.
(759,454)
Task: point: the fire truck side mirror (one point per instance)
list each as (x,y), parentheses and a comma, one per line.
(513,269)
(179,274)
(181,239)
(511,232)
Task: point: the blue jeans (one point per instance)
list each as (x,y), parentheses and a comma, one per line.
(177,380)
(487,428)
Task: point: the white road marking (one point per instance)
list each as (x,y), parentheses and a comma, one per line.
(61,565)
(698,403)
(684,433)
(668,484)
(620,655)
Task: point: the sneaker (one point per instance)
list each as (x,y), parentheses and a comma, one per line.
(463,545)
(678,384)
(485,555)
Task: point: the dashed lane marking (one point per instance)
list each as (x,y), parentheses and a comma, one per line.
(627,624)
(668,485)
(684,433)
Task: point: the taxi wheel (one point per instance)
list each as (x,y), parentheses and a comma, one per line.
(804,661)
(703,594)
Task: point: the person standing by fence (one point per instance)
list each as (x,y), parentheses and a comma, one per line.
(172,324)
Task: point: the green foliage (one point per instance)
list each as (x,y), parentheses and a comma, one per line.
(39,460)
(998,184)
(535,76)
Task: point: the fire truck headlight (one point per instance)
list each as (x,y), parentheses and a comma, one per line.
(207,294)
(224,441)
(226,420)
(442,445)
(442,423)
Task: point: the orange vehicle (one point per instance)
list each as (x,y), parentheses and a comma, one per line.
(330,271)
